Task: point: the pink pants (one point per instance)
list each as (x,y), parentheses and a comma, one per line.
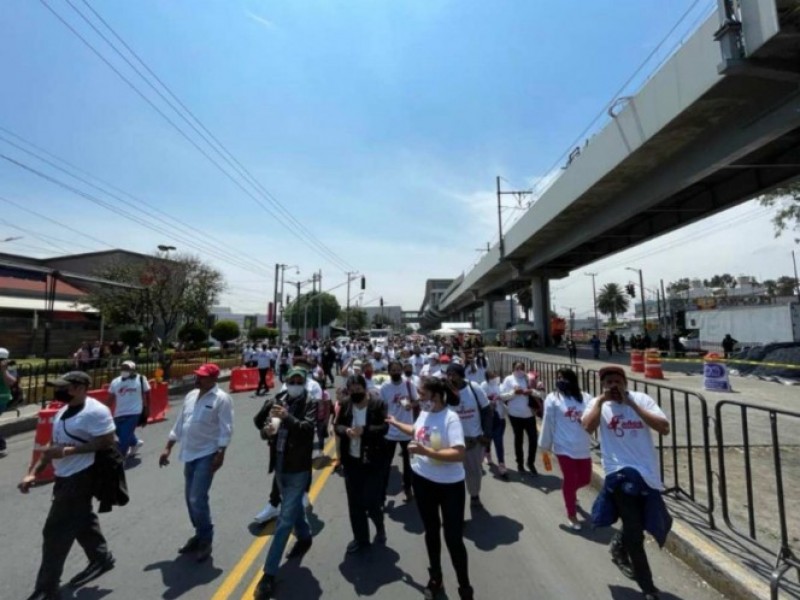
(577,473)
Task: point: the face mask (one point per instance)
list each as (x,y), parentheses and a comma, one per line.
(357,397)
(125,374)
(368,375)
(295,390)
(426,405)
(562,386)
(409,373)
(519,373)
(62,395)
(496,381)
(396,377)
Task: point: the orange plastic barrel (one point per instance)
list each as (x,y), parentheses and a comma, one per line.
(44,433)
(637,361)
(652,364)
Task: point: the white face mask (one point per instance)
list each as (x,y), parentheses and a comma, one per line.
(125,374)
(295,390)
(426,405)
(496,381)
(519,373)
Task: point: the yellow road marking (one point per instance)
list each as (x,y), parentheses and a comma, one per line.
(251,554)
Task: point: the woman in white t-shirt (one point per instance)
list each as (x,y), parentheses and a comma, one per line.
(519,396)
(438,450)
(491,388)
(563,434)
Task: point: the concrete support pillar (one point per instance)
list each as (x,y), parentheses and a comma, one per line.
(540,293)
(488,314)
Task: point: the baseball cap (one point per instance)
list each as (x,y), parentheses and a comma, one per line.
(296,371)
(612,370)
(358,363)
(130,364)
(4,353)
(433,356)
(76,377)
(207,370)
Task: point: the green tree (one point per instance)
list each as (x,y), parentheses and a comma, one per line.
(193,334)
(164,293)
(612,301)
(356,320)
(787,200)
(225,331)
(297,315)
(785,286)
(726,280)
(681,285)
(262,333)
(131,337)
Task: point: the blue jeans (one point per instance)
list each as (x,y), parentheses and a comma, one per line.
(126,432)
(498,431)
(292,517)
(198,476)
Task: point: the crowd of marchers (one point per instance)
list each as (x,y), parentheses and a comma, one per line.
(445,408)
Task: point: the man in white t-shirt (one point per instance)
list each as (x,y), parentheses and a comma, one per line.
(625,421)
(130,394)
(476,415)
(81,428)
(263,359)
(400,397)
(379,365)
(417,360)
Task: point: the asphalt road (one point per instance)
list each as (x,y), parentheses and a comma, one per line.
(517,547)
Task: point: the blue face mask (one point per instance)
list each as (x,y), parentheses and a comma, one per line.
(562,386)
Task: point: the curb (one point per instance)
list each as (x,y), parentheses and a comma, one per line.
(26,424)
(722,573)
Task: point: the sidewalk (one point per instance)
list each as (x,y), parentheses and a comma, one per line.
(728,561)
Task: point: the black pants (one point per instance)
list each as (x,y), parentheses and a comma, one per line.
(328,370)
(442,505)
(364,496)
(520,427)
(282,371)
(391,451)
(70,518)
(262,380)
(629,543)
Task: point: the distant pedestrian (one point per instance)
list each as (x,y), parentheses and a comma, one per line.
(633,486)
(129,394)
(438,450)
(203,427)
(8,381)
(81,428)
(622,342)
(610,344)
(572,349)
(289,427)
(728,345)
(563,435)
(595,344)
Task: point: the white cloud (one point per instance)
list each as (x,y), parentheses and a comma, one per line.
(266,23)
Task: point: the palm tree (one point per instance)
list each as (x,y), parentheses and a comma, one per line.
(612,301)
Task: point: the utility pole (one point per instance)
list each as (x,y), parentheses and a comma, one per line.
(644,303)
(275,298)
(667,311)
(350,276)
(796,282)
(519,196)
(319,306)
(594,298)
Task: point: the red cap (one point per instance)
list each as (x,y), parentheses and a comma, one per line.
(613,369)
(444,359)
(207,370)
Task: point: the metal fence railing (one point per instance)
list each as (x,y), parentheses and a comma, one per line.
(766,495)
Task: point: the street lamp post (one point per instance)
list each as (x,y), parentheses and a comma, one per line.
(594,300)
(283,268)
(641,294)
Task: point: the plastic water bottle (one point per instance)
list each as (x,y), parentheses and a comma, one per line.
(436,443)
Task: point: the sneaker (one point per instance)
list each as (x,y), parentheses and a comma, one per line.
(624,565)
(532,468)
(300,548)
(466,593)
(265,516)
(189,546)
(475,502)
(652,595)
(37,595)
(265,588)
(93,570)
(435,586)
(307,502)
(356,546)
(575,525)
(409,495)
(380,537)
(203,551)
(134,450)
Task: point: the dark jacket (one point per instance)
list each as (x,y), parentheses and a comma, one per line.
(657,520)
(373,442)
(299,424)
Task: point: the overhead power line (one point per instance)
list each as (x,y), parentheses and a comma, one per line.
(278,212)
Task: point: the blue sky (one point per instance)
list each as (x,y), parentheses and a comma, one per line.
(380,125)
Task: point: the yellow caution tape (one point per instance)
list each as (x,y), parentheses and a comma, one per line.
(733,361)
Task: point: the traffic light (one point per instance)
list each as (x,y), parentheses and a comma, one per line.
(363,282)
(631,290)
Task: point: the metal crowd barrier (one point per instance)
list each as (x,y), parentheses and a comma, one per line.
(786,558)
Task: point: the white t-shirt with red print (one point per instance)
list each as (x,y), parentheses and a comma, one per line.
(448,425)
(627,441)
(562,432)
(394,396)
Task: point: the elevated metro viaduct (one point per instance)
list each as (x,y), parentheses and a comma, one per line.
(716,125)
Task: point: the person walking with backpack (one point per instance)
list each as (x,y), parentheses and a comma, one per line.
(563,435)
(129,398)
(81,428)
